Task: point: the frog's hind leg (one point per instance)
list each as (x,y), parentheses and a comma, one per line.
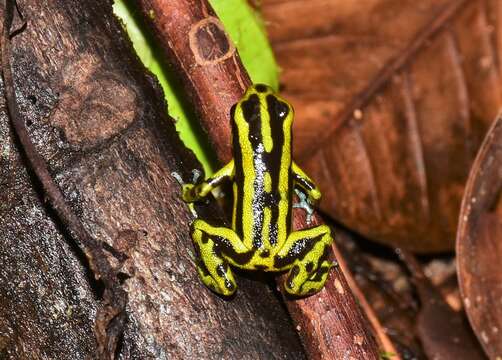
(306,254)
(215,248)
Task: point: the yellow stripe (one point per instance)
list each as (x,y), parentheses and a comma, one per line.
(266,131)
(249,175)
(234,212)
(283,181)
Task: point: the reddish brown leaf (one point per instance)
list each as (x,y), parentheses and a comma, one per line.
(479,244)
(383,291)
(444,333)
(392,100)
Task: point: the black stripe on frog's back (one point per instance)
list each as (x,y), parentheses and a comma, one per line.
(238,176)
(278,111)
(263,163)
(252,115)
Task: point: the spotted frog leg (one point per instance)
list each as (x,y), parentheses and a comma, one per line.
(306,254)
(215,246)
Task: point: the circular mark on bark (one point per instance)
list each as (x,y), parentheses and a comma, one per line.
(94,104)
(209,42)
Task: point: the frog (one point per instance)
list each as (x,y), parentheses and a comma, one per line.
(263,178)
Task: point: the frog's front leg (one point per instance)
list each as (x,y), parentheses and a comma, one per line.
(195,192)
(216,248)
(308,193)
(304,182)
(305,253)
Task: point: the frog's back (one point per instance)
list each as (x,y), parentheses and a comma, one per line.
(261,127)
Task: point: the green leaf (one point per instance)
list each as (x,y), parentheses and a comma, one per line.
(247,32)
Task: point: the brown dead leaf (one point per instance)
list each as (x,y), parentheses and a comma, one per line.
(444,333)
(479,244)
(392,99)
(385,289)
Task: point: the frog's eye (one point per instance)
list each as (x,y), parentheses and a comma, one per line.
(261,88)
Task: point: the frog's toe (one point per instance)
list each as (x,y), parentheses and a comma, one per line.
(178,177)
(300,282)
(213,266)
(221,282)
(196,174)
(189,193)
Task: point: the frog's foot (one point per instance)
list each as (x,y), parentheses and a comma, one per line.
(301,282)
(213,246)
(224,284)
(306,253)
(304,204)
(188,189)
(196,174)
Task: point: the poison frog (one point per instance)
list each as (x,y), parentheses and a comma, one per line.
(263,178)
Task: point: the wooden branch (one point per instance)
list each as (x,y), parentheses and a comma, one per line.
(97,122)
(378,329)
(330,323)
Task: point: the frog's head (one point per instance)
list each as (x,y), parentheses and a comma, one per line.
(262,115)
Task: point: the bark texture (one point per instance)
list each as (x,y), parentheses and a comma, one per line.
(99,121)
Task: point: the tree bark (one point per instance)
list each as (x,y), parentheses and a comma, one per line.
(99,122)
